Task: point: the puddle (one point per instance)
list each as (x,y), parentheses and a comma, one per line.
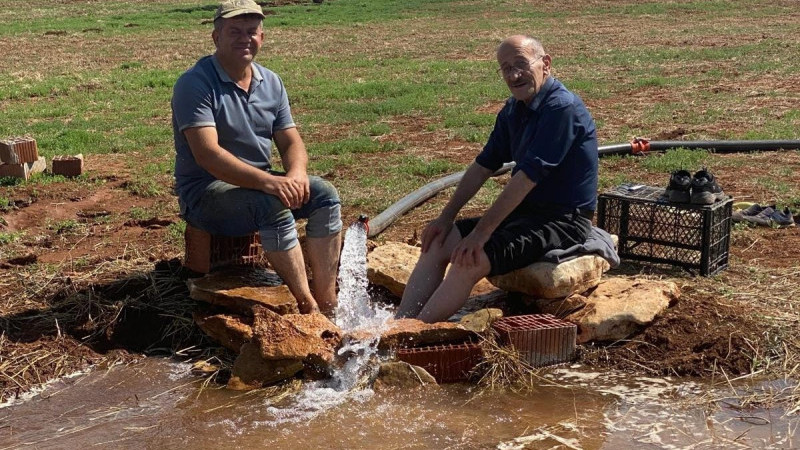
(157,403)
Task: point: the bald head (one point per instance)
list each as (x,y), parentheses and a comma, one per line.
(521,42)
(524,65)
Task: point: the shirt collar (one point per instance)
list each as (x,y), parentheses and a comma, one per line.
(224,75)
(539,98)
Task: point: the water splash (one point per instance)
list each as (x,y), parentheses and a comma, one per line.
(355,312)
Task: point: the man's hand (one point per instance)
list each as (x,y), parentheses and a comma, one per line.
(468,251)
(293,193)
(301,180)
(435,233)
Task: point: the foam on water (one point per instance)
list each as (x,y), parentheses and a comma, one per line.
(355,311)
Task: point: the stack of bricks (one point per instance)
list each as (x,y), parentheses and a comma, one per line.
(19,157)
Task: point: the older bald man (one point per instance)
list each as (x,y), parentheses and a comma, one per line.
(548,203)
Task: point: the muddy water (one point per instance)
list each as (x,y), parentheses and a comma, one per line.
(157,403)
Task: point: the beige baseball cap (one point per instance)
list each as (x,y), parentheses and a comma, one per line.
(233,8)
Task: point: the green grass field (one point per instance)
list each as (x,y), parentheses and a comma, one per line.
(386,79)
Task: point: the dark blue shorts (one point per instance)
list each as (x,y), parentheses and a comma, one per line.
(524,237)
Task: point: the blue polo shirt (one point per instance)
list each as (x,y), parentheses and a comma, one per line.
(554,142)
(245,121)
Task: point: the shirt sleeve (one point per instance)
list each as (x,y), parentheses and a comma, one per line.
(283,115)
(555,134)
(497,150)
(192,102)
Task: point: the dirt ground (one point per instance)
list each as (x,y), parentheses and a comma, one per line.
(99,303)
(90,282)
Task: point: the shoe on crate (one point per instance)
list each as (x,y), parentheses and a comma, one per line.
(705,190)
(743,215)
(680,183)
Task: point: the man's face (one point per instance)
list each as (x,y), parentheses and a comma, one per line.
(523,72)
(239,38)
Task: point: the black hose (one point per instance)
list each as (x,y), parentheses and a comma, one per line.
(384,219)
(716,146)
(637,146)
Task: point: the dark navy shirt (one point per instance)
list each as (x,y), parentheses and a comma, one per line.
(205,96)
(554,142)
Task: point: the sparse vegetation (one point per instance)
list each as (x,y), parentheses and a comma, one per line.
(388,96)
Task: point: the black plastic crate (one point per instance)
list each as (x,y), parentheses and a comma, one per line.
(650,228)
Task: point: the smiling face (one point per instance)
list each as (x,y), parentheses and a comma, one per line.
(238,39)
(524,66)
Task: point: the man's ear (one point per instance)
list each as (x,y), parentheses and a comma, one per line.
(546,59)
(214,37)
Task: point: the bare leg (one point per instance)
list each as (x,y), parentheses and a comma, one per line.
(426,276)
(291,267)
(453,292)
(323,256)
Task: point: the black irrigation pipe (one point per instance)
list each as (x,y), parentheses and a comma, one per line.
(635,147)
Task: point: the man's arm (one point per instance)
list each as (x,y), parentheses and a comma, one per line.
(294,159)
(223,165)
(467,251)
(470,183)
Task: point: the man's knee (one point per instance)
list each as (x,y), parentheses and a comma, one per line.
(278,232)
(325,217)
(471,274)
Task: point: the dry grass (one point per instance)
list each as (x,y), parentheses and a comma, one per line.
(80,324)
(502,367)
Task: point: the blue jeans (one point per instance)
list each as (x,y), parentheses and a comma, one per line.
(229,210)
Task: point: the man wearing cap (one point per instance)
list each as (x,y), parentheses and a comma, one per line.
(226,111)
(546,205)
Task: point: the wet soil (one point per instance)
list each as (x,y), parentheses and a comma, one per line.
(110,286)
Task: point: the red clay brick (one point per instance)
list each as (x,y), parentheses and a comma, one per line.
(22,170)
(541,339)
(68,166)
(447,363)
(206,252)
(18,150)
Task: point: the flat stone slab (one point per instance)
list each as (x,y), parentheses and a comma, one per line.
(241,290)
(620,307)
(416,333)
(231,331)
(481,321)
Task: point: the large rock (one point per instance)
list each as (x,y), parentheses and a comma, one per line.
(550,280)
(252,371)
(401,375)
(241,290)
(319,326)
(391,264)
(313,339)
(620,307)
(231,331)
(416,333)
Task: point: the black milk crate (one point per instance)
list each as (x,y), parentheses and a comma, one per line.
(650,228)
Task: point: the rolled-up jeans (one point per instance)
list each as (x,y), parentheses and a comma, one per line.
(229,210)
